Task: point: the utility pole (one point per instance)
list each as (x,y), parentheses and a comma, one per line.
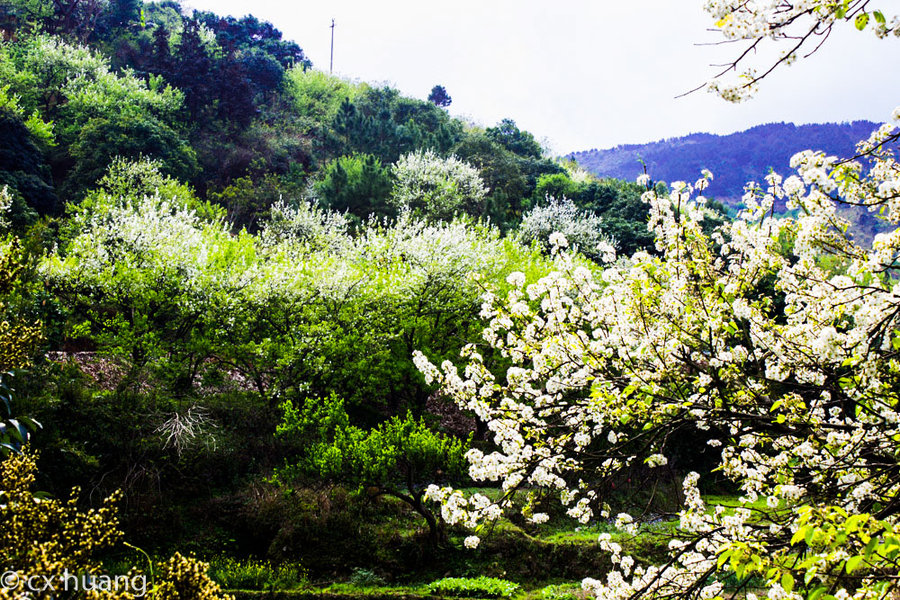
(331,64)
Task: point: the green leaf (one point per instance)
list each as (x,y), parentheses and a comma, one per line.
(879,16)
(862,20)
(787,582)
(870,547)
(814,595)
(853,563)
(810,574)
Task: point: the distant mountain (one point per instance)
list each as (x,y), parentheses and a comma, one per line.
(733,159)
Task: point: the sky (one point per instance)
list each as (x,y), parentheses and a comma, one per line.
(578,74)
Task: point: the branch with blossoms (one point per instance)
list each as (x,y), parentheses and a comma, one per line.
(798,24)
(754,339)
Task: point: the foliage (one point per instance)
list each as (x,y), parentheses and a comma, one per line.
(248,201)
(18,338)
(97,114)
(52,537)
(24,174)
(158,286)
(306,224)
(15,432)
(366,578)
(128,136)
(357,184)
(510,177)
(437,188)
(794,387)
(478,587)
(318,94)
(145,273)
(517,141)
(48,536)
(387,125)
(248,35)
(399,457)
(623,215)
(71,18)
(583,230)
(40,130)
(132,180)
(559,592)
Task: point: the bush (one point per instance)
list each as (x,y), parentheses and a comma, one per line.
(185,578)
(479,587)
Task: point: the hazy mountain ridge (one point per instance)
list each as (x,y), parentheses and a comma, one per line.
(734,159)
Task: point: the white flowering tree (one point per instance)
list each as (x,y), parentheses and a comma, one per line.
(774,340)
(797,384)
(582,229)
(435,187)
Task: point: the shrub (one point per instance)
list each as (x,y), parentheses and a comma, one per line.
(478,587)
(52,537)
(186,579)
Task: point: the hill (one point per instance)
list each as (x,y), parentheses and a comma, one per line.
(733,159)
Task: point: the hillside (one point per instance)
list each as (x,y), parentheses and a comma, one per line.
(733,159)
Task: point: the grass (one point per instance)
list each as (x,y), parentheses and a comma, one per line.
(474,587)
(250,574)
(548,560)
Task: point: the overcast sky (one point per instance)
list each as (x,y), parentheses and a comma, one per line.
(579,74)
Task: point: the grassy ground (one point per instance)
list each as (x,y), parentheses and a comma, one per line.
(548,561)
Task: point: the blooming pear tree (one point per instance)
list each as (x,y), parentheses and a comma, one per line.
(774,340)
(582,229)
(436,187)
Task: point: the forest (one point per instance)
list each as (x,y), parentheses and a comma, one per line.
(266,332)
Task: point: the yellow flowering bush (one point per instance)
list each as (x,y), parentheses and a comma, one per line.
(49,545)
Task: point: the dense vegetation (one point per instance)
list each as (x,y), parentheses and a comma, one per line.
(286,322)
(217,264)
